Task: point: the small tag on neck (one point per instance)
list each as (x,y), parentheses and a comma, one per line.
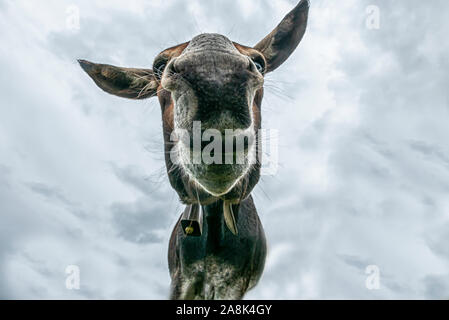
(192,220)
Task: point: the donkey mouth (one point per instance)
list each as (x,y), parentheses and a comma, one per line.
(217,179)
(220,168)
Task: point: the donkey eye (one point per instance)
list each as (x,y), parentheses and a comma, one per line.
(259,63)
(159,70)
(159,67)
(259,66)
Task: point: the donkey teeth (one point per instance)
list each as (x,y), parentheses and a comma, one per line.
(229,217)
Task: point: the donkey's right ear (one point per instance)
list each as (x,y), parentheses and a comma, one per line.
(123,82)
(283,40)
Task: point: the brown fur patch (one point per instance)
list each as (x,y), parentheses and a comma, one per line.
(174,51)
(248,51)
(164,96)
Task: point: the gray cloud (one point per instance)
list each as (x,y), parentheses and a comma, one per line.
(137,222)
(363,174)
(55,195)
(437,286)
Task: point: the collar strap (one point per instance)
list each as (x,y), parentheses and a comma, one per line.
(192,219)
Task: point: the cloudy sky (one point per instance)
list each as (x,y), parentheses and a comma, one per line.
(363,175)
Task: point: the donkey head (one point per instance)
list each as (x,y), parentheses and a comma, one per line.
(218,84)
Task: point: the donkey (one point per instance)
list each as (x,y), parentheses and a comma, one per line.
(219,83)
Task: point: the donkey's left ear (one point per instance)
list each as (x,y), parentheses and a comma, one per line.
(123,82)
(283,40)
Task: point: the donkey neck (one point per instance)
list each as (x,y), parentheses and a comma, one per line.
(214,225)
